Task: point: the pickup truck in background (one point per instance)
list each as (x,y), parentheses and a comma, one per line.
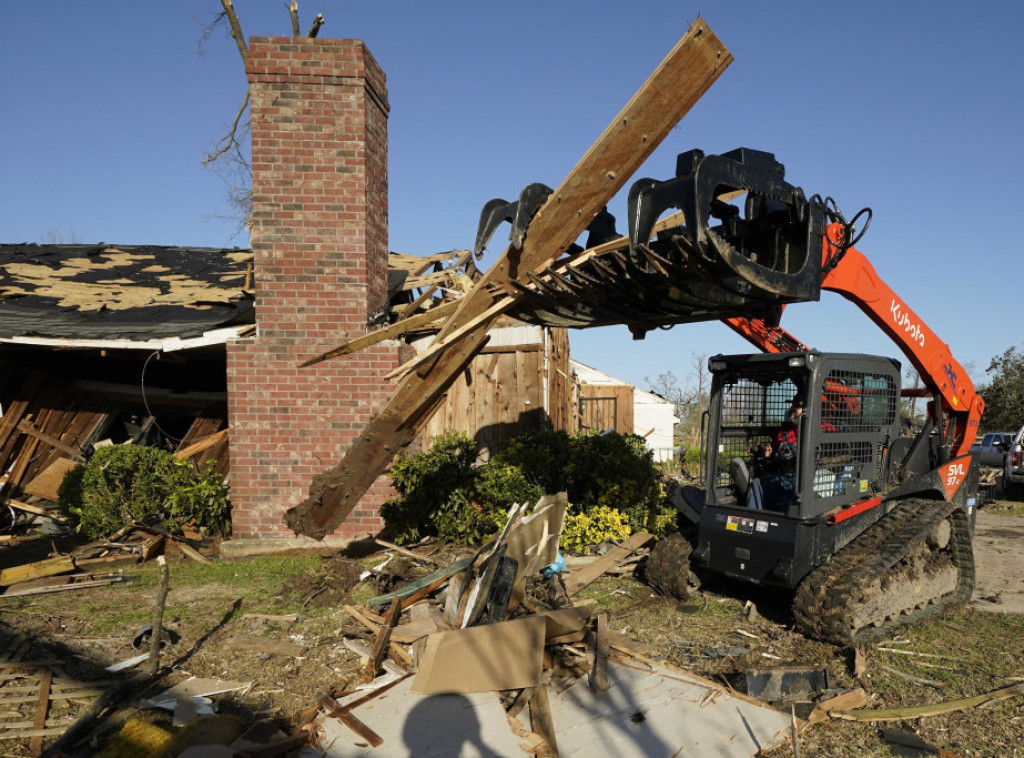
(992,448)
(1013,466)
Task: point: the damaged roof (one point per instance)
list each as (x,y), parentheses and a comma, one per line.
(165,297)
(126,292)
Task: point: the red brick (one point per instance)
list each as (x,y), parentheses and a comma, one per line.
(320,248)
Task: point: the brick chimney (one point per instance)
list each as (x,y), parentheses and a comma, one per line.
(320,240)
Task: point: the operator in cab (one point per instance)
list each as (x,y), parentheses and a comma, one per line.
(775,487)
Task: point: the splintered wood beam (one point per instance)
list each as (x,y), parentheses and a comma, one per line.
(685,74)
(396,329)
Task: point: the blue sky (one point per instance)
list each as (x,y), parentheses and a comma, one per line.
(914,109)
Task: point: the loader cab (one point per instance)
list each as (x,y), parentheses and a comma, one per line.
(839,441)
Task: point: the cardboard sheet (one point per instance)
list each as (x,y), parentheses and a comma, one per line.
(501,656)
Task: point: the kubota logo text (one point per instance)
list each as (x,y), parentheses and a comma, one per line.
(904,318)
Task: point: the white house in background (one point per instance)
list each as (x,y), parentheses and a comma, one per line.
(608,403)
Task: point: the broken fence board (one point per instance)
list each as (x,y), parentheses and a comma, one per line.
(42,708)
(541,721)
(610,560)
(344,715)
(271,647)
(380,644)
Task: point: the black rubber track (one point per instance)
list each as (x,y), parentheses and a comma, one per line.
(825,601)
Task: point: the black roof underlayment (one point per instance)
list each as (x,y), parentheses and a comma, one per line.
(135,292)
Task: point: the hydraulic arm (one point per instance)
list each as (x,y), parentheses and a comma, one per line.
(847,271)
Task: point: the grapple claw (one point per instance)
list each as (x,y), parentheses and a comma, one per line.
(772,250)
(519,213)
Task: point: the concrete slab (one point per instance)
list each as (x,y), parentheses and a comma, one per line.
(652,711)
(419,726)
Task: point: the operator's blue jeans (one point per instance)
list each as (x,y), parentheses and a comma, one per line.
(771,491)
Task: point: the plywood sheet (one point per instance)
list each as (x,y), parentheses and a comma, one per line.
(47,483)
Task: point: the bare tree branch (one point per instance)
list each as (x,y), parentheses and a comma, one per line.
(236,29)
(228,141)
(317,23)
(293,11)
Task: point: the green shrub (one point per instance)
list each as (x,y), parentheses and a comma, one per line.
(126,484)
(427,483)
(442,493)
(584,531)
(610,470)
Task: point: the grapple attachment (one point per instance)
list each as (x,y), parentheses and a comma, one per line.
(518,212)
(771,251)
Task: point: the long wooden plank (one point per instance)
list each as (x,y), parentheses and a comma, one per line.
(28,428)
(59,565)
(396,329)
(204,444)
(42,708)
(606,562)
(695,62)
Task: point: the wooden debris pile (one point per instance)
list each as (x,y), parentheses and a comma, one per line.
(492,622)
(51,424)
(86,566)
(500,635)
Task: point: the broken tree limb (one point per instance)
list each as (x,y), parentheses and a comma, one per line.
(402,550)
(158,619)
(923,711)
(690,68)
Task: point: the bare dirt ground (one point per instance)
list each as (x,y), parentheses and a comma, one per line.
(718,634)
(999,560)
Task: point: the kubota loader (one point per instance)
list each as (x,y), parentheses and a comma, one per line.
(869,522)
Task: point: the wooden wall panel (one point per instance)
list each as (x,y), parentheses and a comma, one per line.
(606,406)
(501,395)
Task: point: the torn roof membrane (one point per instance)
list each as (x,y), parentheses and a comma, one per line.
(134,292)
(133,295)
